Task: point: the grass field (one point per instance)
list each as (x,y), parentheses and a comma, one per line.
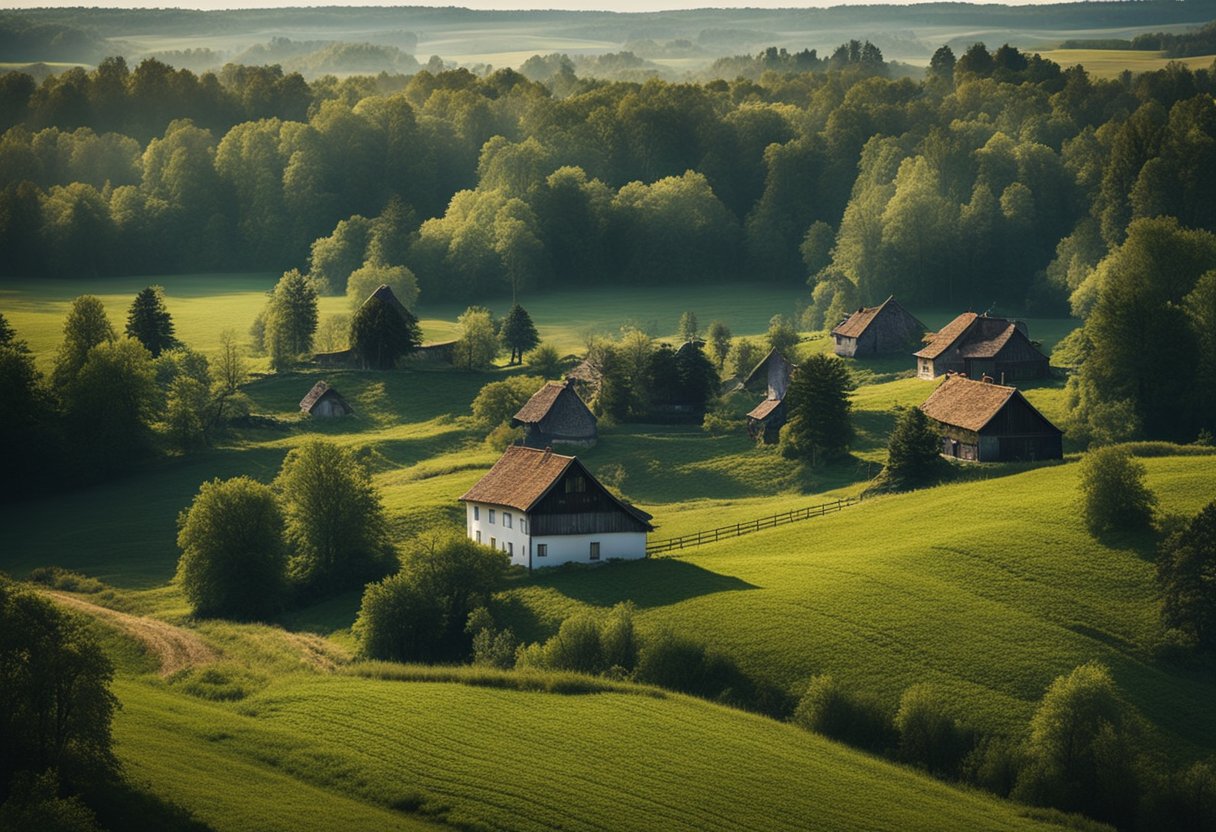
(987,588)
(1109,63)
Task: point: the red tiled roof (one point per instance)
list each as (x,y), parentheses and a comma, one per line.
(947,335)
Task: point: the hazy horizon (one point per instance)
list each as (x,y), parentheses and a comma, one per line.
(507,5)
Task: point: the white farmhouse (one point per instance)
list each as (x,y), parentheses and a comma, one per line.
(545,509)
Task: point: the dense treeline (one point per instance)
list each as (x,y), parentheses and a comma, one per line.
(1202,41)
(999,177)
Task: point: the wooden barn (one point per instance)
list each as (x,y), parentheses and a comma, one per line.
(982,421)
(546,509)
(764,421)
(772,375)
(980,345)
(325,402)
(877,330)
(556,415)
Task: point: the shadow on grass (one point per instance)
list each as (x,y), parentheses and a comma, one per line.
(325,617)
(654,582)
(121,804)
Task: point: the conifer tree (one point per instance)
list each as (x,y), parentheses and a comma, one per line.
(149,322)
(820,426)
(519,333)
(912,451)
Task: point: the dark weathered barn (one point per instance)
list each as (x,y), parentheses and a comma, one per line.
(986,422)
(877,330)
(438,352)
(556,415)
(765,420)
(325,402)
(772,375)
(980,345)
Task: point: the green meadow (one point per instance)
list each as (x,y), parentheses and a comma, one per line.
(1110,63)
(987,588)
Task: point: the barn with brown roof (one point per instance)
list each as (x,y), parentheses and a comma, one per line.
(556,415)
(772,375)
(980,345)
(546,509)
(325,402)
(877,330)
(985,422)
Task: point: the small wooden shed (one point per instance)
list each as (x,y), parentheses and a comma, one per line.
(556,415)
(325,402)
(877,330)
(981,421)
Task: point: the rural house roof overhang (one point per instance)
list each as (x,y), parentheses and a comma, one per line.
(970,405)
(762,410)
(947,335)
(523,476)
(859,321)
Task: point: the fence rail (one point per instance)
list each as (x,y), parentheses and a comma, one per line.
(739,529)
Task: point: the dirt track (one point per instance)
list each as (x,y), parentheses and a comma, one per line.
(174,647)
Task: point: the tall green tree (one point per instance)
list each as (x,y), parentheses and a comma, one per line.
(149,322)
(291,319)
(86,326)
(28,421)
(717,339)
(519,333)
(1186,573)
(56,709)
(110,405)
(913,451)
(336,527)
(382,332)
(234,561)
(1114,496)
(688,328)
(478,344)
(820,425)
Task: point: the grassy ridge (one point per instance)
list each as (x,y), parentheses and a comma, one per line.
(316,752)
(1109,63)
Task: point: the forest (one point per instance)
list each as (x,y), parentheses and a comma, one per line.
(998,178)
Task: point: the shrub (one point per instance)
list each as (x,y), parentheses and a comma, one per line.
(827,708)
(233,561)
(1081,752)
(545,361)
(1113,494)
(498,401)
(35,805)
(422,612)
(929,735)
(502,436)
(1186,573)
(682,664)
(57,577)
(994,764)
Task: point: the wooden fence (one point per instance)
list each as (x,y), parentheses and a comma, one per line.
(739,529)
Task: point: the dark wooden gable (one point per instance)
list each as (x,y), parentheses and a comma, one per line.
(568,416)
(1018,417)
(1018,349)
(578,504)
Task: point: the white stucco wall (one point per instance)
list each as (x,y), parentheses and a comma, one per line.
(513,540)
(576,548)
(562,548)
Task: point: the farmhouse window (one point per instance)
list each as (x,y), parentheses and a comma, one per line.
(506,519)
(576,485)
(491,515)
(542,550)
(476,512)
(523,525)
(510,548)
(493,543)
(595,550)
(479,537)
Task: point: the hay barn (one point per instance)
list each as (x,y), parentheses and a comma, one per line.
(981,421)
(325,402)
(980,345)
(877,330)
(556,415)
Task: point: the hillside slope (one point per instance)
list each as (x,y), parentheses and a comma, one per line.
(988,588)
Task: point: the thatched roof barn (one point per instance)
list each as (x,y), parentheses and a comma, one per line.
(556,415)
(325,402)
(546,509)
(986,422)
(980,345)
(877,330)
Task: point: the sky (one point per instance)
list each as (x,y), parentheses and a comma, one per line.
(585,5)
